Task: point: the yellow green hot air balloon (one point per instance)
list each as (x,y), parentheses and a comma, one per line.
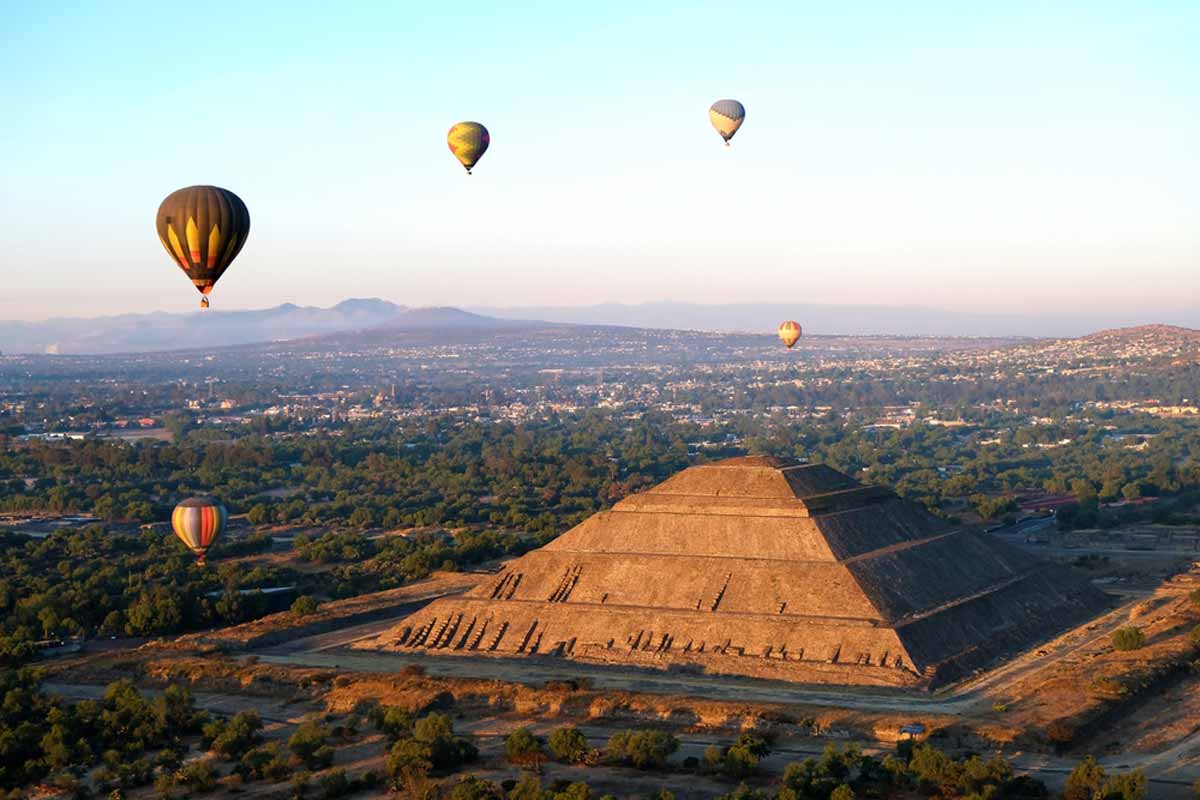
(726,116)
(789,333)
(468,142)
(203,229)
(198,522)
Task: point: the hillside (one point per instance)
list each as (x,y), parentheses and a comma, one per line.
(1142,346)
(158,331)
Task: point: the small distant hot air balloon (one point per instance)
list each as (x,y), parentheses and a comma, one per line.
(468,142)
(726,116)
(789,333)
(198,522)
(203,229)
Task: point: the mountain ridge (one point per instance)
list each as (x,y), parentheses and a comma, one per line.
(158,331)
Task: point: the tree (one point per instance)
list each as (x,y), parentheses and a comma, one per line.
(234,737)
(304,605)
(568,744)
(642,748)
(1128,638)
(258,514)
(447,751)
(843,792)
(471,788)
(522,748)
(309,743)
(1085,781)
(1127,786)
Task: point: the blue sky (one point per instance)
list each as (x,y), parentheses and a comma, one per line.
(1022,157)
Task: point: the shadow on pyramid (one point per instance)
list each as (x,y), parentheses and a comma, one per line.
(762,567)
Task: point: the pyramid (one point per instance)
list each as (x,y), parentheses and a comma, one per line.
(762,567)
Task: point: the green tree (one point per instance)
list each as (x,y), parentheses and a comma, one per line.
(521,747)
(309,743)
(1085,781)
(642,748)
(258,514)
(1126,786)
(568,744)
(304,605)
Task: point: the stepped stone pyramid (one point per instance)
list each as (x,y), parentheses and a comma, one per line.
(757,566)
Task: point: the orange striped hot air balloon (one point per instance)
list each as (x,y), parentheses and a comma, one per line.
(198,522)
(789,333)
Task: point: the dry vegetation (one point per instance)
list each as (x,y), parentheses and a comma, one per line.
(1097,695)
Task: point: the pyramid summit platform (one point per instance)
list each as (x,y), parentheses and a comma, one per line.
(764,567)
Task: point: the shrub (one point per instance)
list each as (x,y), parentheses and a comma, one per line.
(521,747)
(1194,596)
(1127,786)
(264,763)
(394,722)
(471,788)
(304,605)
(1195,636)
(310,744)
(568,744)
(198,776)
(407,759)
(447,750)
(1085,781)
(642,748)
(232,738)
(740,760)
(1128,638)
(334,784)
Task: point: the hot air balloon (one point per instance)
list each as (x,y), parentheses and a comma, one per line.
(203,229)
(198,522)
(468,141)
(726,116)
(789,333)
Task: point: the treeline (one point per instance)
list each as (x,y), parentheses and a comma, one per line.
(542,477)
(536,478)
(89,581)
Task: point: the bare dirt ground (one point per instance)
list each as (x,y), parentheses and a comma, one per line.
(1138,709)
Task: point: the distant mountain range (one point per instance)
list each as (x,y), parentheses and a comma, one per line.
(158,331)
(137,333)
(835,320)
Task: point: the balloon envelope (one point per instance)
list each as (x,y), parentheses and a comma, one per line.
(468,142)
(203,228)
(726,116)
(789,333)
(198,522)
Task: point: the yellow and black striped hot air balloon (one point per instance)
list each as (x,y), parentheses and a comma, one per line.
(203,229)
(198,522)
(468,142)
(789,333)
(726,116)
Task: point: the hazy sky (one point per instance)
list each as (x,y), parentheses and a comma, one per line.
(933,153)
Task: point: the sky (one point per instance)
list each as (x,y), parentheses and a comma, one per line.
(1019,156)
